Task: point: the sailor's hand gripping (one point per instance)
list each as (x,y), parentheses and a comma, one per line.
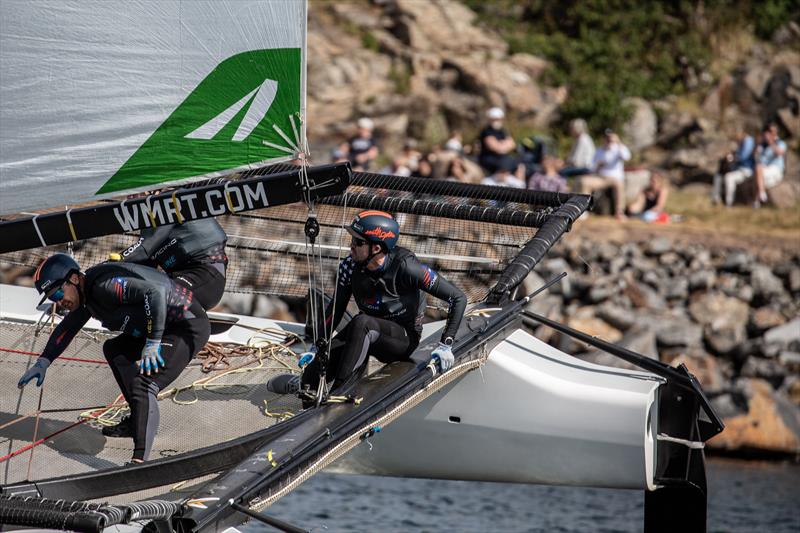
(444,355)
(151,357)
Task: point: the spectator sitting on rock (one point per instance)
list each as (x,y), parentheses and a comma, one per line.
(735,168)
(496,145)
(504,176)
(397,167)
(339,154)
(424,167)
(609,166)
(581,157)
(548,179)
(650,202)
(456,170)
(454,143)
(410,154)
(769,163)
(362,149)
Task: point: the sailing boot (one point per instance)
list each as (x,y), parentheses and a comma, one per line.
(121,430)
(284,384)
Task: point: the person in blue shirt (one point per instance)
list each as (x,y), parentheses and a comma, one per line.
(769,163)
(739,164)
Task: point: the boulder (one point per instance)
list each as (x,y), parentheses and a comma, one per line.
(641,295)
(640,130)
(594,326)
(702,280)
(658,246)
(768,369)
(738,261)
(728,405)
(619,317)
(784,195)
(719,311)
(766,285)
(704,367)
(640,340)
(771,424)
(764,318)
(785,334)
(677,333)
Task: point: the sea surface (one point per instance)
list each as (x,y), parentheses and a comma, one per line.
(747,497)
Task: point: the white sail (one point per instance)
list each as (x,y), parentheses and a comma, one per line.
(102,97)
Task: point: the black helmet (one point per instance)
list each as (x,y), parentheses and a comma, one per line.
(376,227)
(53,272)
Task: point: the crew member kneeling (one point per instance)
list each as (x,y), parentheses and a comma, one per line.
(388,284)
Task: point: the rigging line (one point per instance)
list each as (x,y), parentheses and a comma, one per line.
(35,431)
(329,332)
(40,441)
(71,225)
(38,232)
(31,354)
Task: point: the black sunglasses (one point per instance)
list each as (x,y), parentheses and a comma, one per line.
(358,242)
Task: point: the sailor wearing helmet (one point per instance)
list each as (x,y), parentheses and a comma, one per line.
(388,284)
(162,327)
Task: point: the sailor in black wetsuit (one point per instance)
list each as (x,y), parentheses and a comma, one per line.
(163,326)
(388,284)
(192,254)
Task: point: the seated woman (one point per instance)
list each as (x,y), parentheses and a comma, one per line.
(650,202)
(548,179)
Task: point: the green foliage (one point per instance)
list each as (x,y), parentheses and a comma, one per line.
(772,14)
(606,50)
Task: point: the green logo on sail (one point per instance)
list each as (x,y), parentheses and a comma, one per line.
(245,111)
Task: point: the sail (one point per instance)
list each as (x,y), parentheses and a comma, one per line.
(105,97)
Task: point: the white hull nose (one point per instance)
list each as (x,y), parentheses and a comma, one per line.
(531,414)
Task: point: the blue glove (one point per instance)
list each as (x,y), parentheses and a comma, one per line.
(38,371)
(307,357)
(444,354)
(151,357)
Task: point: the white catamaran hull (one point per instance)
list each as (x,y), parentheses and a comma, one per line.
(530,414)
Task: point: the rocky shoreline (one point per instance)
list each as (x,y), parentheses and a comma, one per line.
(732,319)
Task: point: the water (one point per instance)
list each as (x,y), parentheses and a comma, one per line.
(743,497)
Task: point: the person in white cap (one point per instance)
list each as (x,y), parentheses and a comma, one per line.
(362,149)
(496,144)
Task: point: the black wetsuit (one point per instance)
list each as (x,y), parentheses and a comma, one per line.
(392,304)
(193,254)
(142,303)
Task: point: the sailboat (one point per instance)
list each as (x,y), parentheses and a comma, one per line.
(120,116)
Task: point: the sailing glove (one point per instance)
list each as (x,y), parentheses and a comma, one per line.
(307,357)
(151,357)
(38,370)
(444,354)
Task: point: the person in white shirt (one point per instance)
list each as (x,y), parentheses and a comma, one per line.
(609,169)
(504,176)
(581,158)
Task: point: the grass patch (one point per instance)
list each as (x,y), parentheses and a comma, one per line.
(698,211)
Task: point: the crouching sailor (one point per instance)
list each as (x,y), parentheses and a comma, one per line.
(192,254)
(162,327)
(387,283)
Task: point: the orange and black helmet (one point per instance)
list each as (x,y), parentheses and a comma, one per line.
(376,227)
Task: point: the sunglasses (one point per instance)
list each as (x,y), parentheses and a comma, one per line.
(58,294)
(357,242)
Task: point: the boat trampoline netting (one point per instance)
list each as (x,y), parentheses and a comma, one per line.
(470,239)
(200,408)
